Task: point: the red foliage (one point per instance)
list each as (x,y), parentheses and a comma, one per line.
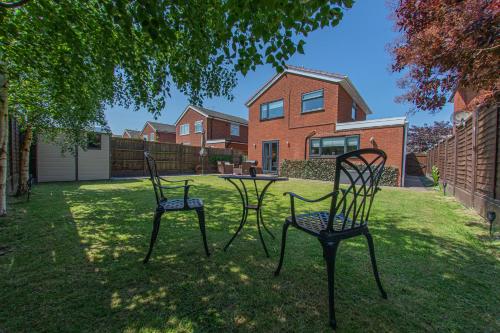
(423,138)
(446,44)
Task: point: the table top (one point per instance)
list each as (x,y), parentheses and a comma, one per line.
(258,177)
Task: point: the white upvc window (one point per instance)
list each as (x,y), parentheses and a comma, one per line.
(145,137)
(353,111)
(184,130)
(312,101)
(152,137)
(198,126)
(235,129)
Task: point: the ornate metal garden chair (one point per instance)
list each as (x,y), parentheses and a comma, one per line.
(348,213)
(165,204)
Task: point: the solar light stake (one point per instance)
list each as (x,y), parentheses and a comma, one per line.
(444,187)
(491,216)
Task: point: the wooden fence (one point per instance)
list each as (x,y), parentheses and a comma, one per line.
(469,163)
(416,164)
(127,157)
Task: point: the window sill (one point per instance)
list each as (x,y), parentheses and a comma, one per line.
(312,111)
(269,119)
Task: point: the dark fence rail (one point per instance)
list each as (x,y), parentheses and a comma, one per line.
(127,157)
(469,163)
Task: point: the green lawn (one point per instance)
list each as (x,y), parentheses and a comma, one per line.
(75,265)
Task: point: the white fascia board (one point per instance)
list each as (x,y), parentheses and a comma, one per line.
(383,122)
(186,109)
(216,141)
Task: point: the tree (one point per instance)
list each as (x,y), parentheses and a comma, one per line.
(423,138)
(131,52)
(446,44)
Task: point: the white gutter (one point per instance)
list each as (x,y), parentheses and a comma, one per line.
(383,122)
(405,140)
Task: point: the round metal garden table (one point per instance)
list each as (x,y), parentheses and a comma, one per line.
(244,194)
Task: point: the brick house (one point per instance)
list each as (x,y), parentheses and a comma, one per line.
(131,134)
(221,130)
(304,114)
(158,132)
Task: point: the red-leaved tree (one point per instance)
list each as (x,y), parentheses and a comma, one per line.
(423,138)
(446,44)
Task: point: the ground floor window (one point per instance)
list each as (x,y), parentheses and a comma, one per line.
(333,146)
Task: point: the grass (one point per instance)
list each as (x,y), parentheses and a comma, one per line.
(73,263)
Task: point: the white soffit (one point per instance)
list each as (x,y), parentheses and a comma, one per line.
(382,122)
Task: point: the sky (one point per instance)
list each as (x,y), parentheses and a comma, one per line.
(357,47)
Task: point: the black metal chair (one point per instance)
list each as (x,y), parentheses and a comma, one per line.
(165,204)
(348,213)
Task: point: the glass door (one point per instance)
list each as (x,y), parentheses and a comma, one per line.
(270,156)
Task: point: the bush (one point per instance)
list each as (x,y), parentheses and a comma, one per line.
(324,169)
(225,158)
(435,175)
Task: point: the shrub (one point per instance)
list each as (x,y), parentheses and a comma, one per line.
(324,169)
(435,175)
(225,158)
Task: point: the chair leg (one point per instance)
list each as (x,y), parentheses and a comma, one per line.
(329,253)
(283,243)
(374,264)
(201,222)
(154,234)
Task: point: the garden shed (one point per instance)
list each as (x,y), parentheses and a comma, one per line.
(92,163)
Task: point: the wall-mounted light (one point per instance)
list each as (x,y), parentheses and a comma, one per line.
(372,140)
(254,146)
(288,144)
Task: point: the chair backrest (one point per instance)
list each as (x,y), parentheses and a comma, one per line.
(361,171)
(153,175)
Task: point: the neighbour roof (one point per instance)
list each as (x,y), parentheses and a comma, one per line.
(214,114)
(160,127)
(133,133)
(341,79)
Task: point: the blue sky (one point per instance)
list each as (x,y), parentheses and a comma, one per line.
(356,47)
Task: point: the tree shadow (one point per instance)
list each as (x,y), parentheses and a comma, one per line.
(77,266)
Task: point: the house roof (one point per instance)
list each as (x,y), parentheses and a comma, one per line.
(133,133)
(341,79)
(160,127)
(214,114)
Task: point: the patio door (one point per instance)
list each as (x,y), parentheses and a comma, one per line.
(270,156)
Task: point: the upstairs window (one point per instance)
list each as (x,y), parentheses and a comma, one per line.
(271,110)
(198,126)
(152,137)
(333,146)
(312,101)
(184,130)
(353,111)
(235,130)
(145,137)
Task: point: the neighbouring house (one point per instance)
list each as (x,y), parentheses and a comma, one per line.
(92,163)
(132,134)
(221,130)
(306,114)
(158,132)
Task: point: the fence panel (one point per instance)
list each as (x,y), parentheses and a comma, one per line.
(469,160)
(127,157)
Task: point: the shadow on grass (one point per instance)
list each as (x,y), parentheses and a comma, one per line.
(77,265)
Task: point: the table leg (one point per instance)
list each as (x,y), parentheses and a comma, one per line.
(265,227)
(244,216)
(260,233)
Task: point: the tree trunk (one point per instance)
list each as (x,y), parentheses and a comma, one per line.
(24,161)
(4,135)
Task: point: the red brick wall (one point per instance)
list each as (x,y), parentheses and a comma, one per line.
(147,131)
(291,130)
(345,108)
(216,129)
(190,117)
(126,135)
(166,137)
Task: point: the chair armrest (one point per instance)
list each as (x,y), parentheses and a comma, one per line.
(292,201)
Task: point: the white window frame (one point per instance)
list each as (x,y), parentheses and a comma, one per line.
(152,136)
(198,123)
(182,131)
(145,137)
(235,129)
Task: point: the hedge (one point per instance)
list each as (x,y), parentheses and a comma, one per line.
(324,169)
